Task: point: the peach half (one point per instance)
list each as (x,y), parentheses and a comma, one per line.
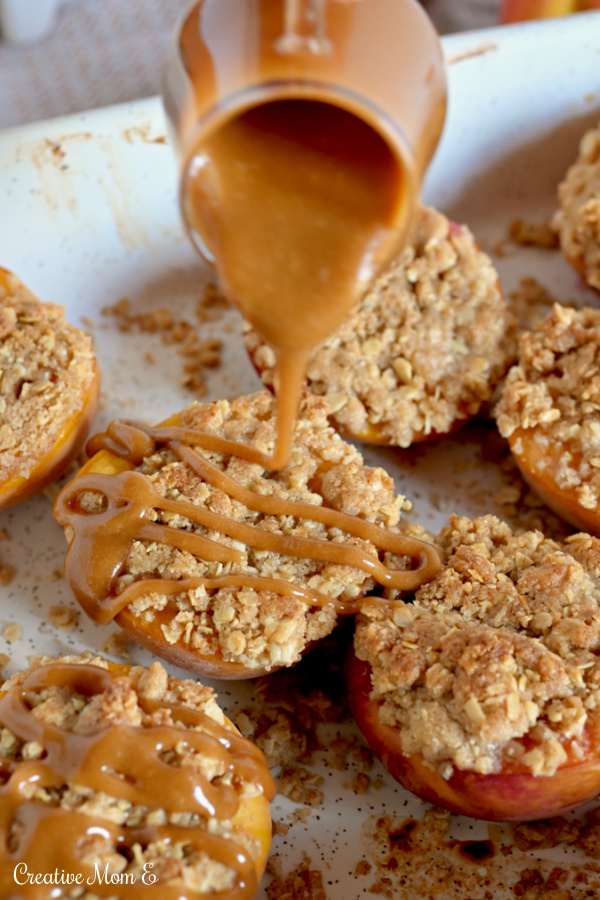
(511,794)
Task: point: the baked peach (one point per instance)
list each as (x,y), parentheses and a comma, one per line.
(481,695)
(512,793)
(149,632)
(423,350)
(548,411)
(49,392)
(221,566)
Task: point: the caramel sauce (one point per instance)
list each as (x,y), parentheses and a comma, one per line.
(298,203)
(101,540)
(124,762)
(303,130)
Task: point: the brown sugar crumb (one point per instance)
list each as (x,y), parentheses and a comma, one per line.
(198,353)
(361,783)
(555,389)
(48,375)
(303,883)
(545,834)
(534,234)
(7,573)
(422,351)
(63,617)
(531,301)
(211,304)
(4,661)
(577,219)
(12,633)
(362,868)
(301,786)
(490,651)
(118,645)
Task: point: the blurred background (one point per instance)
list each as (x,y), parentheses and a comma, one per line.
(64,56)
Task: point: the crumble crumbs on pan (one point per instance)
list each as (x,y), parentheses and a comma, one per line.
(303,883)
(48,369)
(577,219)
(12,633)
(121,703)
(198,353)
(407,858)
(534,234)
(555,389)
(491,651)
(118,645)
(424,348)
(63,617)
(249,625)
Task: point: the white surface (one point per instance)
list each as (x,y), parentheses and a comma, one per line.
(98,221)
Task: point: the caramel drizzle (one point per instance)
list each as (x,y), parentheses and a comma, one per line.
(124,762)
(101,540)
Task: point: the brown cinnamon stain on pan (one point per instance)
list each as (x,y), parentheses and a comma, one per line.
(51,160)
(62,162)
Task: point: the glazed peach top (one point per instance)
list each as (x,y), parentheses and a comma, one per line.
(249,563)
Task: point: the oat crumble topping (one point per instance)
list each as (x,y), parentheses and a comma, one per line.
(424,348)
(47,366)
(555,388)
(120,704)
(577,219)
(504,643)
